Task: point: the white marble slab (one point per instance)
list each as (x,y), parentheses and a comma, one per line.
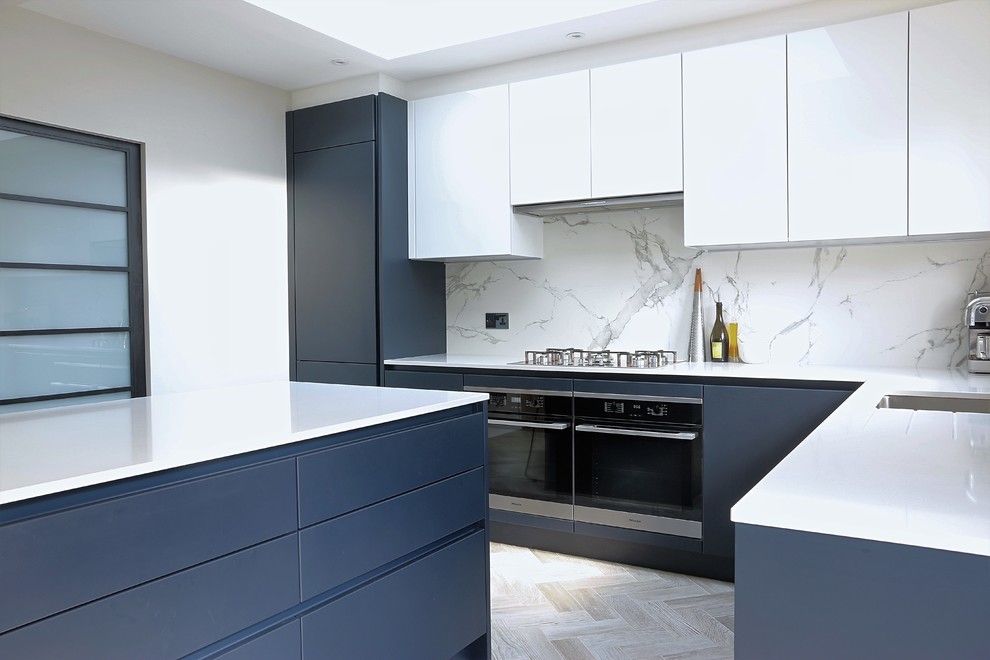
(623,280)
(916,478)
(50,451)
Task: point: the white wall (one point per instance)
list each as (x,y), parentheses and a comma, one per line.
(215,190)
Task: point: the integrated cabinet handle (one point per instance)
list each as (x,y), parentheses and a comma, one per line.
(558,426)
(605,430)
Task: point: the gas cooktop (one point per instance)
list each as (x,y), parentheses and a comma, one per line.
(577,357)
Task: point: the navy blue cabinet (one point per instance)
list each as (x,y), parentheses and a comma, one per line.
(748,431)
(355,298)
(319,545)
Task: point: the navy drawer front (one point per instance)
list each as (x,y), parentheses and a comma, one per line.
(429,609)
(171,617)
(641,389)
(67,559)
(346,547)
(342,479)
(342,373)
(424,380)
(517,383)
(283,643)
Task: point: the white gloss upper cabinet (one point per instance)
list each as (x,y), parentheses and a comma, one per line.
(549,138)
(636,128)
(847,130)
(949,145)
(735,144)
(459,181)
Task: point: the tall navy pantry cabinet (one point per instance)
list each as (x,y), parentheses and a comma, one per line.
(355,298)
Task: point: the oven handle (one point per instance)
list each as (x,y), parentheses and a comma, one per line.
(667,435)
(551,426)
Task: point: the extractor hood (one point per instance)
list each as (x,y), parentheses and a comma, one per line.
(599,205)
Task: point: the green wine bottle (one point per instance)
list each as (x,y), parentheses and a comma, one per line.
(720,338)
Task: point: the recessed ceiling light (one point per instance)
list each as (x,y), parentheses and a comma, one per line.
(575,35)
(397,28)
(339,62)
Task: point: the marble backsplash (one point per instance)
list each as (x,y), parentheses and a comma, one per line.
(624,280)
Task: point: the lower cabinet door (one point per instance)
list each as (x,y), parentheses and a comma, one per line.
(429,610)
(173,616)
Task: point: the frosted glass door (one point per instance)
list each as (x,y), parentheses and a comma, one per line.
(847,130)
(71,267)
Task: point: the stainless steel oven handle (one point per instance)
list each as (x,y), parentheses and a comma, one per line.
(672,435)
(551,426)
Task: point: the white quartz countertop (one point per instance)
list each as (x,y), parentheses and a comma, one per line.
(918,478)
(54,450)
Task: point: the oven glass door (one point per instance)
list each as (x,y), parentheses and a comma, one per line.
(637,478)
(530,467)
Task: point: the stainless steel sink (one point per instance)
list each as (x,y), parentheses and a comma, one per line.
(944,401)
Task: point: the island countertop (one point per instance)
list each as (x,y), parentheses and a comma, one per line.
(919,478)
(49,451)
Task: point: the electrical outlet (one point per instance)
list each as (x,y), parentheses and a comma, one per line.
(496,321)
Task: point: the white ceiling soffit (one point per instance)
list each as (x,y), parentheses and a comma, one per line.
(245,40)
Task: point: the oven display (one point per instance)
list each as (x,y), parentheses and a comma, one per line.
(614,407)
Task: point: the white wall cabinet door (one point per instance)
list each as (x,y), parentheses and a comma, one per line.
(550,138)
(847,130)
(459,201)
(735,144)
(949,102)
(636,128)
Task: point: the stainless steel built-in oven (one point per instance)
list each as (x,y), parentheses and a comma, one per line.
(637,462)
(530,452)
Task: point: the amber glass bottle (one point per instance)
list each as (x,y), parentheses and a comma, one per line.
(720,338)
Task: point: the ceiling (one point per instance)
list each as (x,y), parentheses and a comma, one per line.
(243,39)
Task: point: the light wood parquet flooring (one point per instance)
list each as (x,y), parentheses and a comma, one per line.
(550,606)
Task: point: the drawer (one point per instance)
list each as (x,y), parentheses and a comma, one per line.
(472,381)
(429,609)
(341,479)
(283,643)
(173,616)
(638,388)
(425,380)
(342,373)
(90,552)
(346,547)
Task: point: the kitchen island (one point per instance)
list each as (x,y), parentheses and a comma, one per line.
(870,536)
(260,521)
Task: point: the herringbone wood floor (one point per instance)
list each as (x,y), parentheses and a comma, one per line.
(548,605)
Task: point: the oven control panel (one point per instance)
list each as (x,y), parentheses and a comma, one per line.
(638,410)
(530,404)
